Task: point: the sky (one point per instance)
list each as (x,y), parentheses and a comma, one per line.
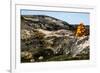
(70,17)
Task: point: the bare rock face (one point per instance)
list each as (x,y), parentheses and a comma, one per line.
(80,45)
(44,38)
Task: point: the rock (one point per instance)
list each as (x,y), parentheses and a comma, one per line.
(25,34)
(44,37)
(26,56)
(32,60)
(40,58)
(81,44)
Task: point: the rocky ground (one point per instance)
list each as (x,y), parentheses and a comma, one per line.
(45,38)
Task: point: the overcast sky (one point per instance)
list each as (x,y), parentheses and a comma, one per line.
(70,17)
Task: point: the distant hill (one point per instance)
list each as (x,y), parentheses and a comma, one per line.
(44,22)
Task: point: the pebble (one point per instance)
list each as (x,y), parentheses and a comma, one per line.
(40,58)
(32,60)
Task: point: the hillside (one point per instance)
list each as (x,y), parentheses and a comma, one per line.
(45,38)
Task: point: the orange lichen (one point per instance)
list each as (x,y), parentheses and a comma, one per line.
(81,30)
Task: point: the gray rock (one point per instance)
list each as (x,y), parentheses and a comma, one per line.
(81,44)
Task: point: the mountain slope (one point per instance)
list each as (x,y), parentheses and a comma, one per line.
(44,22)
(45,38)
